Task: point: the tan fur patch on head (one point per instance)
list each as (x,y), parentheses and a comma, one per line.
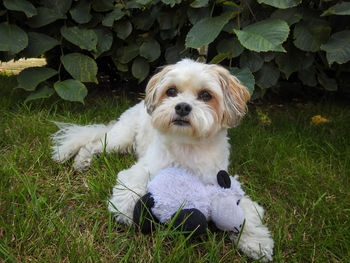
(236,96)
(151,89)
(214,103)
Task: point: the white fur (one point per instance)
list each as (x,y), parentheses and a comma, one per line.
(201,148)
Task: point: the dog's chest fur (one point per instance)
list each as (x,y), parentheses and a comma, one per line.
(203,158)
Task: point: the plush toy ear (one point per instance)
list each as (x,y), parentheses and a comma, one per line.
(224,179)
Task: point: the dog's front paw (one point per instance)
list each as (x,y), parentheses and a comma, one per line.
(255,241)
(81,166)
(260,247)
(82,161)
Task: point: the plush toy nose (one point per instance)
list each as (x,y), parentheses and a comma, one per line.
(183,109)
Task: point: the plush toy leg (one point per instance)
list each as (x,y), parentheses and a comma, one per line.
(190,220)
(142,216)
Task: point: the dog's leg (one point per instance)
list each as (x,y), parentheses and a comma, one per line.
(119,138)
(131,185)
(256,240)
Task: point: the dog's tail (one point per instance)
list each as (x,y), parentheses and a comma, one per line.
(68,140)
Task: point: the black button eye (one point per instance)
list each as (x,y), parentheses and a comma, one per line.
(171,92)
(204,96)
(238,201)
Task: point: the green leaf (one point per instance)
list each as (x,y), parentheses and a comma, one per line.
(59,6)
(206,30)
(219,58)
(328,83)
(95,21)
(225,45)
(246,77)
(268,56)
(109,18)
(144,2)
(150,49)
(45,91)
(172,53)
(81,12)
(123,29)
(266,35)
(121,67)
(81,67)
(44,17)
(105,40)
(308,76)
(71,90)
(199,3)
(196,14)
(132,4)
(38,44)
(290,62)
(103,5)
(291,15)
(167,20)
(338,47)
(146,19)
(171,2)
(267,76)
(140,69)
(168,34)
(22,6)
(282,4)
(13,39)
(81,37)
(310,34)
(342,8)
(127,53)
(308,61)
(232,24)
(230,46)
(251,60)
(30,78)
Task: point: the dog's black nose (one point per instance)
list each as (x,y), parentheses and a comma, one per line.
(183,109)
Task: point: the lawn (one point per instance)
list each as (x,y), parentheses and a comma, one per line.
(300,173)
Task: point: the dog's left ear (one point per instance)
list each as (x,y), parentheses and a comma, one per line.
(152,96)
(236,97)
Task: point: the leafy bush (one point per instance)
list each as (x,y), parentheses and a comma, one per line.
(262,42)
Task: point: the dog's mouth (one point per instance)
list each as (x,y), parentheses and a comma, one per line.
(181,122)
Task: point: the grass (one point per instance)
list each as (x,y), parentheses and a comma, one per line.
(298,171)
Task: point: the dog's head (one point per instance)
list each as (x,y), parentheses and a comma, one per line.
(195,100)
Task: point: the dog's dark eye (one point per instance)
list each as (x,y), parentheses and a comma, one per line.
(238,201)
(171,92)
(204,96)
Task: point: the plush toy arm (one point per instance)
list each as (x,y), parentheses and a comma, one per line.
(223,179)
(143,216)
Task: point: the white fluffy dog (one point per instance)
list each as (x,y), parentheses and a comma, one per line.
(182,123)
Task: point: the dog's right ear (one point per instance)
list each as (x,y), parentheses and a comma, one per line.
(152,96)
(236,96)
